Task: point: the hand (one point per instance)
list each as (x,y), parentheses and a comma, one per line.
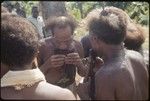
(99,62)
(83,90)
(57,60)
(73,58)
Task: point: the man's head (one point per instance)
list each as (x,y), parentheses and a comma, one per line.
(35,12)
(107,28)
(62,29)
(134,34)
(4,10)
(19,42)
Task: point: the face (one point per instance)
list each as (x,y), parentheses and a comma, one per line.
(96,44)
(63,37)
(35,13)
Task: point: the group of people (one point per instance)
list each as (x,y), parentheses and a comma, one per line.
(46,68)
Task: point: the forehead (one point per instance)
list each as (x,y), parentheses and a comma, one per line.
(63,33)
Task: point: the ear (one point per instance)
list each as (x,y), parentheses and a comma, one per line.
(95,38)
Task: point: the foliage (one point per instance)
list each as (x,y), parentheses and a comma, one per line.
(139,11)
(27,5)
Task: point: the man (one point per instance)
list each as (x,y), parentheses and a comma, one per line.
(86,45)
(36,22)
(4,10)
(135,34)
(60,54)
(124,75)
(20,10)
(19,47)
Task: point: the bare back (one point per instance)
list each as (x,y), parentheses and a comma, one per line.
(40,91)
(123,79)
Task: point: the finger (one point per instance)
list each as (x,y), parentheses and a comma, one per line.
(57,60)
(68,62)
(58,56)
(58,64)
(74,58)
(72,54)
(69,59)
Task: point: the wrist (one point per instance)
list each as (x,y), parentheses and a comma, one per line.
(79,64)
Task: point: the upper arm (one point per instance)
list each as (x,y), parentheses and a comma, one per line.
(104,87)
(51,92)
(40,54)
(66,94)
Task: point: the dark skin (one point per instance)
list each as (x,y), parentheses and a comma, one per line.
(28,42)
(35,13)
(37,91)
(50,64)
(123,76)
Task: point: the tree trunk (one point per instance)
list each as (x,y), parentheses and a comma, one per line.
(80,6)
(51,8)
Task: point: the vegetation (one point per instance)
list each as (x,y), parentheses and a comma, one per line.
(139,11)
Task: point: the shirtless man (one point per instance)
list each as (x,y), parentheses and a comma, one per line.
(124,75)
(135,34)
(60,54)
(19,47)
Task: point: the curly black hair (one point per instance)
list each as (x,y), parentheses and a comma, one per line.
(110,26)
(19,41)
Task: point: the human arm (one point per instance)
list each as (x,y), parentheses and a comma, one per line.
(47,60)
(47,91)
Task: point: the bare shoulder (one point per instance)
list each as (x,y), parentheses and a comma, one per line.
(105,82)
(112,72)
(134,55)
(136,59)
(49,91)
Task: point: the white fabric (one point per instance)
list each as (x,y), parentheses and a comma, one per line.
(20,79)
(38,24)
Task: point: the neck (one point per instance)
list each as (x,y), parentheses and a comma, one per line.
(113,52)
(4,69)
(20,68)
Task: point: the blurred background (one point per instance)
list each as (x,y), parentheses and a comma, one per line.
(138,11)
